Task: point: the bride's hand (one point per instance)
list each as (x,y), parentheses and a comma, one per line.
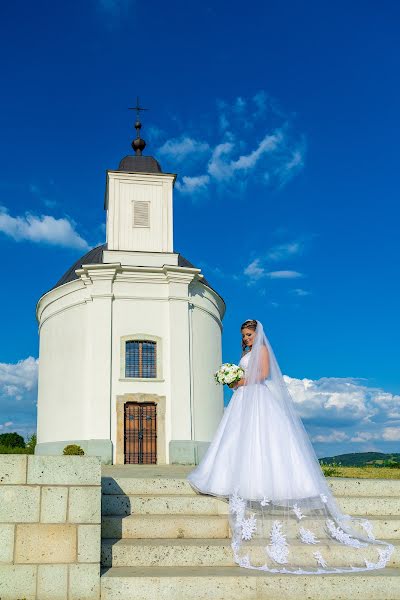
(236,384)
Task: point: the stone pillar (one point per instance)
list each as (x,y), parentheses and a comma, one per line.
(50,514)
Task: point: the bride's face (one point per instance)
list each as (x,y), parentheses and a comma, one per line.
(248,336)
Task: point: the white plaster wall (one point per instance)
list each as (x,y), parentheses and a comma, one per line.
(124,188)
(208,402)
(81,325)
(62,352)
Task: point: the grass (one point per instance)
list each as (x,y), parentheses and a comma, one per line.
(361,472)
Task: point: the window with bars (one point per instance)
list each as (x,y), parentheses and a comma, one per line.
(141,359)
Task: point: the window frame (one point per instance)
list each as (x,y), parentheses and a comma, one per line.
(141,337)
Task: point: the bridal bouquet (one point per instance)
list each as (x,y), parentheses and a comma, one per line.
(228,373)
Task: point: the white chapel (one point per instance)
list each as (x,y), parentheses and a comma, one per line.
(130,336)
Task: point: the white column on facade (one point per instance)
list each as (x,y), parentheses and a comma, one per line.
(99,285)
(180,370)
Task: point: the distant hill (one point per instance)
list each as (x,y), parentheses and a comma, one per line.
(361,459)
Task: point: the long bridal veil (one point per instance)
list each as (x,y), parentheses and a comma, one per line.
(283,515)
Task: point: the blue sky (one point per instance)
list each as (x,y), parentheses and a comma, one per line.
(281,120)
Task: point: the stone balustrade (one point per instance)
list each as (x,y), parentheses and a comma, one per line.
(50,515)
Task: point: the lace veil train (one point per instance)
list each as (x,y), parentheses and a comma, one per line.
(283,515)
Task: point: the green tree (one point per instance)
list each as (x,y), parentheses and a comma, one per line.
(12,440)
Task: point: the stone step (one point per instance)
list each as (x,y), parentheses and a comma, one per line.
(166,504)
(171,479)
(369,506)
(218,552)
(165,526)
(123,505)
(235,583)
(212,526)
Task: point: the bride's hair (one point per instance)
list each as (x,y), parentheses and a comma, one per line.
(249,324)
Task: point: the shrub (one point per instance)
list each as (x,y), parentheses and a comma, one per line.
(12,440)
(331,470)
(73,450)
(31,444)
(8,450)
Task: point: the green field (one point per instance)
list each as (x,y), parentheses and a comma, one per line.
(363,472)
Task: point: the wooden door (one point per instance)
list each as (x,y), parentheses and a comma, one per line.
(140,433)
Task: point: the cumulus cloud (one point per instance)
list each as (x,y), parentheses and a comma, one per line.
(192,184)
(18,395)
(247,143)
(41,229)
(334,436)
(179,149)
(345,413)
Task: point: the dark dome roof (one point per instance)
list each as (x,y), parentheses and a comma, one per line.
(95,257)
(139,164)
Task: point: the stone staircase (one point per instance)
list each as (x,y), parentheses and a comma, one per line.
(161,541)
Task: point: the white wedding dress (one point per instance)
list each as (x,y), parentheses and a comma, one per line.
(283,516)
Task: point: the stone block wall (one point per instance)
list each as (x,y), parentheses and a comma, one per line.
(50,514)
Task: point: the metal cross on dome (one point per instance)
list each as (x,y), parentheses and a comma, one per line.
(138,108)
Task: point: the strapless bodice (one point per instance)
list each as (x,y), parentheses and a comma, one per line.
(244,361)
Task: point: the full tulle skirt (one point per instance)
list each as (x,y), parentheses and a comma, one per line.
(282,514)
(254,451)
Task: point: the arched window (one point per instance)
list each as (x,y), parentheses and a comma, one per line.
(141,359)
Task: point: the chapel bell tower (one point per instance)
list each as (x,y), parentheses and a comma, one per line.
(138,201)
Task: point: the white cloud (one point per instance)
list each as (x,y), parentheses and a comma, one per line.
(16,378)
(283,251)
(221,167)
(391,434)
(284,274)
(191,185)
(18,395)
(286,170)
(333,436)
(261,266)
(44,229)
(254,270)
(300,292)
(246,145)
(181,148)
(343,410)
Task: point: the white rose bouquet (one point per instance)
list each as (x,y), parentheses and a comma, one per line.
(228,373)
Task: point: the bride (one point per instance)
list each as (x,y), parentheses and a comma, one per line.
(282,514)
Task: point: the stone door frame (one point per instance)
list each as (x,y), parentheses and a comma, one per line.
(160,402)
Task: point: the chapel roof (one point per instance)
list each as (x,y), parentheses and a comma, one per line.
(139,164)
(95,257)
